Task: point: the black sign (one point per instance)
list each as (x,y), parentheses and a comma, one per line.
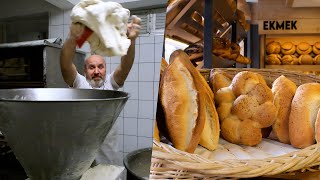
(279,25)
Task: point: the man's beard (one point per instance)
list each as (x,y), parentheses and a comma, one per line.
(95,84)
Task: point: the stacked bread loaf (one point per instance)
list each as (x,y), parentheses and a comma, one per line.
(288,53)
(244,105)
(187,102)
(224,48)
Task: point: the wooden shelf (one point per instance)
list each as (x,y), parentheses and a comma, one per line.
(295,67)
(183,28)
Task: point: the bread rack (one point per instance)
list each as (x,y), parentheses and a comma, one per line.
(189,26)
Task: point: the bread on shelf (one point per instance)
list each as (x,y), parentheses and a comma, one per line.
(289,60)
(304,48)
(273,59)
(288,48)
(316,48)
(305,59)
(273,47)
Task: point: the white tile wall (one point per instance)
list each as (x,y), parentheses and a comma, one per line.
(56,31)
(146,109)
(131,108)
(146,72)
(146,91)
(135,122)
(146,53)
(145,127)
(144,142)
(130,126)
(133,89)
(130,143)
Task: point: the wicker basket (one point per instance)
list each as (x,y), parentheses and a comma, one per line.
(170,163)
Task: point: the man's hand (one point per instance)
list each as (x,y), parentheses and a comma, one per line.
(76,30)
(134,28)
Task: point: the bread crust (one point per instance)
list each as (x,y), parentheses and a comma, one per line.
(289,60)
(273,47)
(288,48)
(304,48)
(305,59)
(304,108)
(273,59)
(283,90)
(187,101)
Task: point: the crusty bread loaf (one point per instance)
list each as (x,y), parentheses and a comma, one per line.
(305,59)
(316,48)
(304,48)
(289,60)
(156,134)
(273,47)
(244,108)
(288,48)
(283,90)
(273,59)
(316,59)
(187,102)
(218,80)
(243,60)
(304,109)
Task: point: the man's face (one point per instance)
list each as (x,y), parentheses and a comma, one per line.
(95,71)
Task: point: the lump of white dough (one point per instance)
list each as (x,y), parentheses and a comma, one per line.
(102,172)
(108,21)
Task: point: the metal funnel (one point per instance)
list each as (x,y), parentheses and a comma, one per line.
(55,133)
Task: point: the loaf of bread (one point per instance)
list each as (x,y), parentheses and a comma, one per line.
(243,60)
(304,114)
(288,48)
(188,106)
(289,60)
(316,59)
(273,47)
(218,80)
(235,51)
(305,59)
(156,134)
(316,48)
(304,48)
(244,108)
(283,90)
(273,59)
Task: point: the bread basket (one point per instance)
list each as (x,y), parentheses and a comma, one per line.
(170,163)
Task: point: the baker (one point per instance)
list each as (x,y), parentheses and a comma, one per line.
(96,77)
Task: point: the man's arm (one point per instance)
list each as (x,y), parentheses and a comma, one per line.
(121,72)
(68,69)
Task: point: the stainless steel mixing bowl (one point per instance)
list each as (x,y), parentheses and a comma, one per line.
(55,133)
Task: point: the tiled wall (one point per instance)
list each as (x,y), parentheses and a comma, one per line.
(135,123)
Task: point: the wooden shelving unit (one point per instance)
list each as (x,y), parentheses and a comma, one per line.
(223,17)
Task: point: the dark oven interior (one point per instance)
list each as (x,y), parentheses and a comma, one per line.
(21,67)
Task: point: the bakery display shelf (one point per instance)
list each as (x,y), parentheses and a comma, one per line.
(295,67)
(188,24)
(218,62)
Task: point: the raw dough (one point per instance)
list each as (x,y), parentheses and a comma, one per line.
(108,21)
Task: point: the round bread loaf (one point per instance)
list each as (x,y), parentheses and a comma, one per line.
(316,59)
(316,48)
(289,60)
(305,59)
(273,47)
(288,48)
(273,59)
(245,107)
(283,91)
(303,115)
(304,48)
